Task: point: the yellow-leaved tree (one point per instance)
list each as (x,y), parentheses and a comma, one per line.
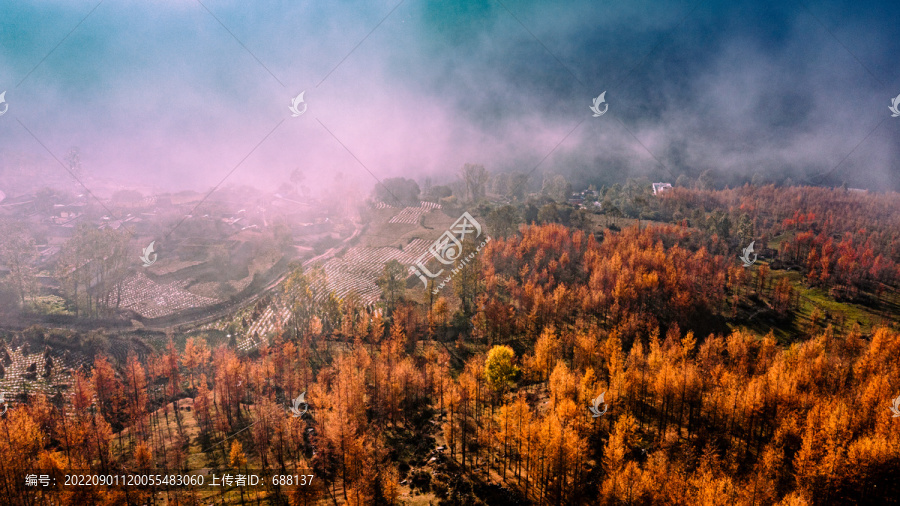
(499,369)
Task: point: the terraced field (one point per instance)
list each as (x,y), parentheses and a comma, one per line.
(358,269)
(354,271)
(24,371)
(152,300)
(412,215)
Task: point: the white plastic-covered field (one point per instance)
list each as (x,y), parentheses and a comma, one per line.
(357,270)
(271,319)
(360,267)
(413,214)
(26,372)
(152,300)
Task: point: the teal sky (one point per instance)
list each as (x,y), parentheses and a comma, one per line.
(178,93)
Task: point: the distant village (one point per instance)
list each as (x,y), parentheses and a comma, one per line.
(190,227)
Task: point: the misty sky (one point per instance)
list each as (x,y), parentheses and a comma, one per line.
(163,94)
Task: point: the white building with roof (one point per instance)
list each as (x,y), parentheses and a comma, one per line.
(660,187)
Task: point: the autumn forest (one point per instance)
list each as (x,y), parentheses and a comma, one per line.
(721,383)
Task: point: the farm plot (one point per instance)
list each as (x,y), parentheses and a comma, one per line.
(358,269)
(356,272)
(249,342)
(271,319)
(169,266)
(152,300)
(412,215)
(38,372)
